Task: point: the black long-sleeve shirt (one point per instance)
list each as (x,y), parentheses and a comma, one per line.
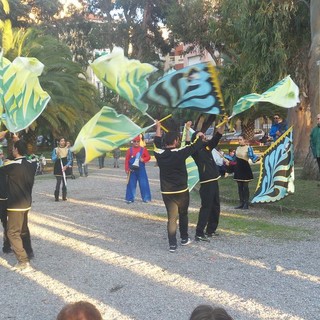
(208,170)
(172,165)
(20,179)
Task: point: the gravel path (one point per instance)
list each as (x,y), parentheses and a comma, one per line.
(95,247)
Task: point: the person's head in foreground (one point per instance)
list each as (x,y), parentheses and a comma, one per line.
(206,312)
(80,310)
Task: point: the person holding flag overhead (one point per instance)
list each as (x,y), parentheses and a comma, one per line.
(209,188)
(135,160)
(62,158)
(174,181)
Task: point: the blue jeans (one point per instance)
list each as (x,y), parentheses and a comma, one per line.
(140,176)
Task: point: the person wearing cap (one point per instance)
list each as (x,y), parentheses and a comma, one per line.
(135,160)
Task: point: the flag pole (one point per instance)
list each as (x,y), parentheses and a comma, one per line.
(63,173)
(165,118)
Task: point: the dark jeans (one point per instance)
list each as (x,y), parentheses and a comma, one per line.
(210,208)
(19,234)
(243,190)
(4,221)
(101,161)
(59,180)
(177,207)
(318,160)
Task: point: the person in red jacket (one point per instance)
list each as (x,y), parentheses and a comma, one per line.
(136,158)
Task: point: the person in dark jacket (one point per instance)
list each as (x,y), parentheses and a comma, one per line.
(174,181)
(20,179)
(315,141)
(209,214)
(3,206)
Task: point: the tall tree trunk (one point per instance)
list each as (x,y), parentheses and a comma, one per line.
(306,115)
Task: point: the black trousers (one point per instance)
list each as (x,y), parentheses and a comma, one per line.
(243,190)
(318,160)
(177,207)
(4,221)
(210,208)
(58,183)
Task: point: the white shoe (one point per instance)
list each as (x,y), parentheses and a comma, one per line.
(23,267)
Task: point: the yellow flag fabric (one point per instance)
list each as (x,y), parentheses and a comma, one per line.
(21,96)
(104,132)
(284,94)
(126,77)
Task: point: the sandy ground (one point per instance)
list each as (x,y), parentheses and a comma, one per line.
(95,247)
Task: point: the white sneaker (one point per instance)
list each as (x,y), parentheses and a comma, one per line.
(23,267)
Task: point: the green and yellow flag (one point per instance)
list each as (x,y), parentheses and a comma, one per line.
(21,96)
(284,94)
(104,132)
(126,77)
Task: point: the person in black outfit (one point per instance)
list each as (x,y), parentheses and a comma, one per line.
(209,188)
(20,179)
(3,206)
(174,181)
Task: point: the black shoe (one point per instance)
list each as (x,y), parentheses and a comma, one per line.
(6,250)
(185,242)
(213,234)
(202,238)
(239,207)
(245,206)
(173,248)
(30,255)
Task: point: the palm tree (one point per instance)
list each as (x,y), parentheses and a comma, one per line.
(73,99)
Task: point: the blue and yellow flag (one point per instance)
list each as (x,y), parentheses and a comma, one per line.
(128,78)
(22,99)
(284,94)
(104,132)
(194,87)
(276,178)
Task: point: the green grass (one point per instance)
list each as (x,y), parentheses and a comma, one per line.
(304,201)
(258,221)
(256,226)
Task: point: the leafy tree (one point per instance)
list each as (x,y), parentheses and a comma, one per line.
(260,41)
(73,99)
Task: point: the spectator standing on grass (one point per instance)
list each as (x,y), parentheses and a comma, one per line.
(174,181)
(231,161)
(20,174)
(278,128)
(62,158)
(220,161)
(209,174)
(242,172)
(315,141)
(136,158)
